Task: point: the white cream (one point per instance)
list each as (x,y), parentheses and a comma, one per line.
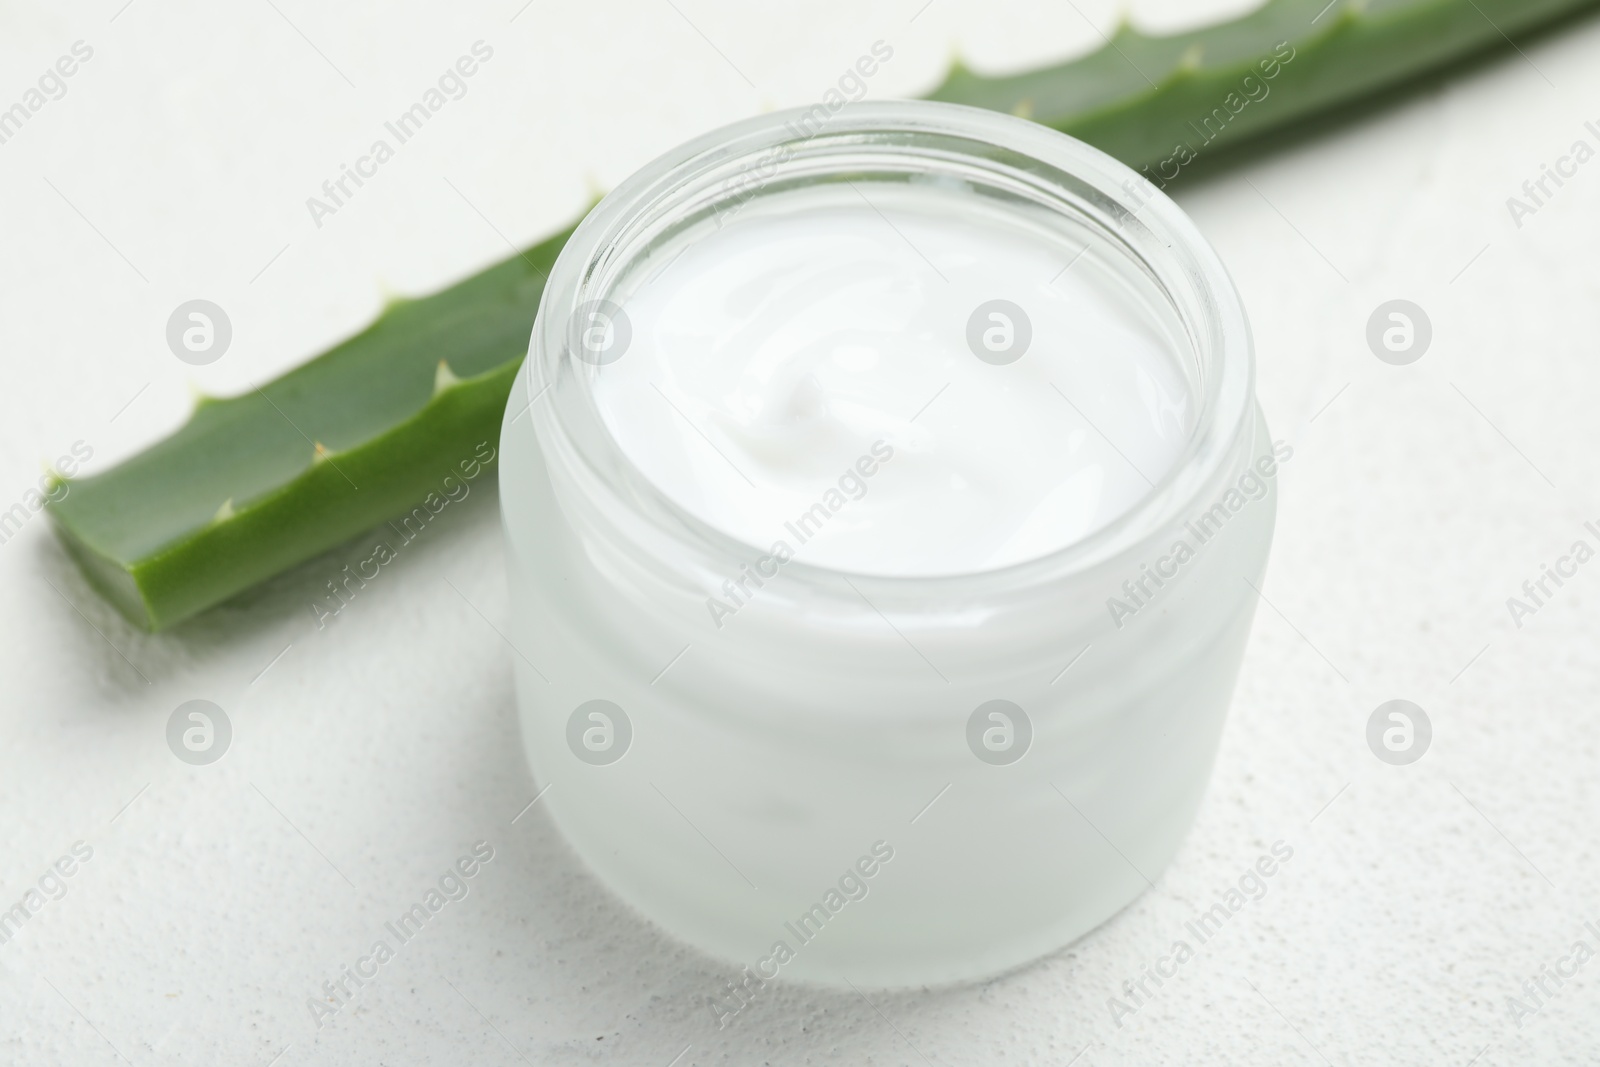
(770,356)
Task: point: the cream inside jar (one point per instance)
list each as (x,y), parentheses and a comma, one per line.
(894,380)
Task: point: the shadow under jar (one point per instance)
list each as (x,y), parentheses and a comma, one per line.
(837,672)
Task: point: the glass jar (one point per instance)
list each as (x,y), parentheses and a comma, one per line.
(888,781)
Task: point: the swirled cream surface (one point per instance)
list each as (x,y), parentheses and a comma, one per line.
(891,385)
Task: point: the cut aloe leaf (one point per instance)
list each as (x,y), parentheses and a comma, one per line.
(253,485)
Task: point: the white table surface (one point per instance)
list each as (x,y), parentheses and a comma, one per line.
(371,754)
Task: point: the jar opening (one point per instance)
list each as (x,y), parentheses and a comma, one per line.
(898,162)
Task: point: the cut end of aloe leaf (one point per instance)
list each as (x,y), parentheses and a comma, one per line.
(109,577)
(252,485)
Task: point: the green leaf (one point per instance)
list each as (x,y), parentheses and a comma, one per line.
(252,485)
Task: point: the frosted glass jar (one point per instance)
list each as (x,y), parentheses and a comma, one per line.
(884,780)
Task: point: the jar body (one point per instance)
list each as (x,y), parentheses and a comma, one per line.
(766,758)
(857,778)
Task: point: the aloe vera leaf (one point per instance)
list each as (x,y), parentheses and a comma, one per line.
(241,492)
(1139,97)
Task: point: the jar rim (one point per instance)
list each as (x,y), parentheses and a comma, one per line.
(1187,271)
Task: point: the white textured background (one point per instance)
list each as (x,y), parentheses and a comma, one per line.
(372,753)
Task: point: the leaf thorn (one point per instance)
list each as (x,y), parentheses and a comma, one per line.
(443,378)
